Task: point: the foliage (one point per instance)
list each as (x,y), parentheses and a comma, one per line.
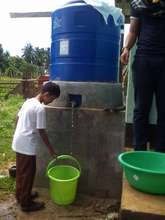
(34,62)
(8,109)
(8,112)
(28,53)
(7,85)
(37,56)
(29,70)
(12,71)
(7,184)
(42,57)
(3,59)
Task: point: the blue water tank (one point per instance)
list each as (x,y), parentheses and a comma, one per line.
(84,46)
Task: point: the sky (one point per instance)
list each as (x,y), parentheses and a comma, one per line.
(16,33)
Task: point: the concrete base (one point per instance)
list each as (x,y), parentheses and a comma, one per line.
(96,139)
(93,94)
(136,205)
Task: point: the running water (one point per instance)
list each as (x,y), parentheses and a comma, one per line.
(72,114)
(72,127)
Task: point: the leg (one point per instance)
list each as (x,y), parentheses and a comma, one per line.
(18,177)
(26,166)
(160,102)
(144,89)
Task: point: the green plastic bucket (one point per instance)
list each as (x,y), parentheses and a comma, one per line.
(144,170)
(63,180)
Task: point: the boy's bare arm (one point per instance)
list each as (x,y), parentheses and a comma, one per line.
(45,139)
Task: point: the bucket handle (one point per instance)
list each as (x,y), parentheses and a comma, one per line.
(63,157)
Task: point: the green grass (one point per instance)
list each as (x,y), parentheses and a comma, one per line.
(8,113)
(2,78)
(10,84)
(7,185)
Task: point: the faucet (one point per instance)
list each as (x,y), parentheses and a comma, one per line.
(75,100)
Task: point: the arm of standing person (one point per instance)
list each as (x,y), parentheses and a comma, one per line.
(130,40)
(46,141)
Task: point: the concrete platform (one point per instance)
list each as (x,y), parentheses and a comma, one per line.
(84,208)
(136,205)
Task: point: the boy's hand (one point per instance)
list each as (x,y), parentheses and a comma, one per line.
(53,154)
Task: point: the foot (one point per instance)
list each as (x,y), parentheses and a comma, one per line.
(33,206)
(34,194)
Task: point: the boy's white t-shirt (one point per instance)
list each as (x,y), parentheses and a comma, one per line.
(32,116)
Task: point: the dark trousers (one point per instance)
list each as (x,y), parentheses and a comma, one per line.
(26,168)
(148,79)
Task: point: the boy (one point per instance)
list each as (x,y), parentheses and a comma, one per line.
(31,124)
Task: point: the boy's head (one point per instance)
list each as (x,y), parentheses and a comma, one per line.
(49,92)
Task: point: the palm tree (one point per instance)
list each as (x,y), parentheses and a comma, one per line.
(28,53)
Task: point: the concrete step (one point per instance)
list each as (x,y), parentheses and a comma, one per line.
(136,205)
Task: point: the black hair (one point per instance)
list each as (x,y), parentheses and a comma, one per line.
(52,88)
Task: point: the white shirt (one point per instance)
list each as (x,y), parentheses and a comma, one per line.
(32,116)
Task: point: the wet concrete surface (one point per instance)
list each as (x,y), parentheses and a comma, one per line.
(136,205)
(84,208)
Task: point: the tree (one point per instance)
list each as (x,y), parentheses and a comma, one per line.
(34,62)
(29,70)
(37,56)
(13,67)
(28,53)
(42,57)
(13,72)
(1,56)
(4,56)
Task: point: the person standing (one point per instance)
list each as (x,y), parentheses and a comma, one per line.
(147,29)
(31,125)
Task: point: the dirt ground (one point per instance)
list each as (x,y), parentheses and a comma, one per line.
(84,208)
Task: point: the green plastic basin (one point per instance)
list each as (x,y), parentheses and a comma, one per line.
(144,170)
